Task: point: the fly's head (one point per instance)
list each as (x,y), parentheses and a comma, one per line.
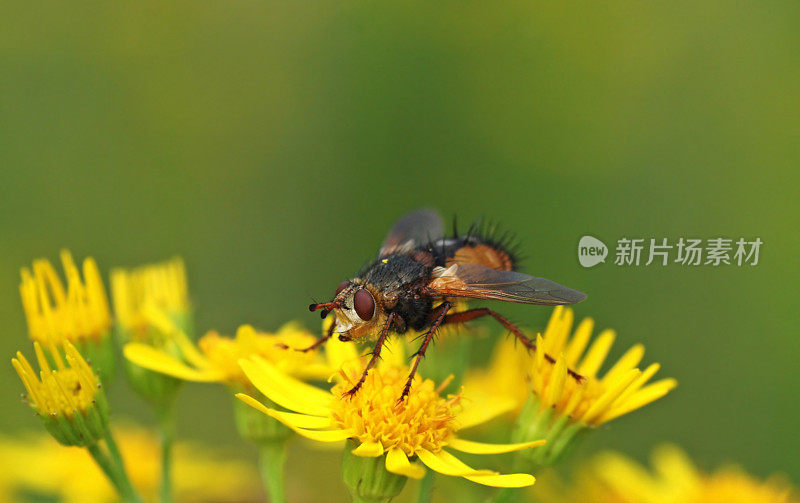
(358,309)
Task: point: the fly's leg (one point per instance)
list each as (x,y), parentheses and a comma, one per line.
(439,316)
(376,353)
(479,312)
(322,340)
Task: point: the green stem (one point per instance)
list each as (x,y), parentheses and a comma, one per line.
(271,461)
(105,464)
(166,426)
(124,486)
(425,492)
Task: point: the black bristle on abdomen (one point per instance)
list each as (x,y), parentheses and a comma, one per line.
(479,232)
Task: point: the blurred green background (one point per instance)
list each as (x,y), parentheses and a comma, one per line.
(273,144)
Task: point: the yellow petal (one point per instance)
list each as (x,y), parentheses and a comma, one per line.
(313,371)
(252,402)
(481,412)
(447,464)
(162,322)
(630,391)
(649,393)
(301,420)
(468,446)
(579,341)
(630,359)
(159,361)
(557,379)
(265,384)
(369,450)
(597,353)
(673,464)
(609,395)
(397,462)
(557,331)
(318,435)
(289,384)
(510,480)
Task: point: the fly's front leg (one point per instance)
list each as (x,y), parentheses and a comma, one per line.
(322,340)
(376,353)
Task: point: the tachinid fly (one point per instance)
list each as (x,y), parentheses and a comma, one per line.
(416,278)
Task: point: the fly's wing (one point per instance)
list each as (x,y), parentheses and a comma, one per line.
(413,229)
(479,282)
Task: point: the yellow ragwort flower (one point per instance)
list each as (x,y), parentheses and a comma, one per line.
(77,313)
(161,285)
(557,406)
(622,389)
(613,478)
(216,358)
(421,426)
(68,398)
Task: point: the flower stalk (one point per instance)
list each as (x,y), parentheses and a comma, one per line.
(123,482)
(271,464)
(270,436)
(166,426)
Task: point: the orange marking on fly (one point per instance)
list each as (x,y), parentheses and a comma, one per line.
(482,254)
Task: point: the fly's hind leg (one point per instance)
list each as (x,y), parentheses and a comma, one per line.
(479,312)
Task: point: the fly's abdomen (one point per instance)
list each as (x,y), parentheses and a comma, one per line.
(474,250)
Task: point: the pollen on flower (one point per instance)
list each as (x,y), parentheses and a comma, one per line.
(423,421)
(76,313)
(68,388)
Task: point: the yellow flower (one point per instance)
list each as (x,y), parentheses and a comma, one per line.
(201,473)
(162,286)
(419,427)
(68,398)
(558,406)
(614,478)
(77,313)
(622,389)
(54,313)
(216,358)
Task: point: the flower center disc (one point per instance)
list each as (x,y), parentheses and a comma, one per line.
(424,420)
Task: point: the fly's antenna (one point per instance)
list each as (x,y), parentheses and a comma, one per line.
(326,308)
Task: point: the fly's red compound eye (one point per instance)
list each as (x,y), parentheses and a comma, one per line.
(342,286)
(364,304)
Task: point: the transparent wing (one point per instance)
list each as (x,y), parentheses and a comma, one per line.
(413,229)
(479,282)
